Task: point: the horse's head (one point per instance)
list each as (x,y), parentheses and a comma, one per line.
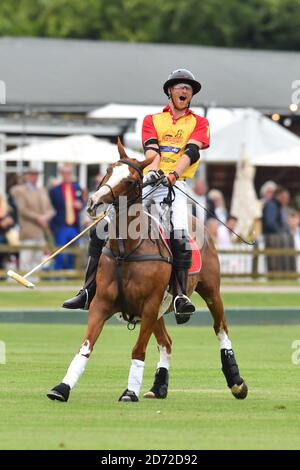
(123,178)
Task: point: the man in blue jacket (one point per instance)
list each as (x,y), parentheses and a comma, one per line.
(274,219)
(276,230)
(67,201)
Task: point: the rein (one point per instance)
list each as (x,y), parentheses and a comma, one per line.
(215,217)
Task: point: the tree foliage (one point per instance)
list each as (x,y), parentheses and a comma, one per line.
(264,24)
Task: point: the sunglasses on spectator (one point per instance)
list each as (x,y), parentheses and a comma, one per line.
(180,86)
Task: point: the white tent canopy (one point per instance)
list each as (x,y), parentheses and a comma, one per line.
(287,157)
(263,140)
(123,111)
(81,149)
(218,118)
(234,133)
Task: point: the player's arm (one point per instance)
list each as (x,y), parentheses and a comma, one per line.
(191,155)
(150,142)
(199,139)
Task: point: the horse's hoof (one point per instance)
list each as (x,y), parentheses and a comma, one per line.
(160,385)
(128,396)
(240,391)
(149,394)
(161,393)
(61,392)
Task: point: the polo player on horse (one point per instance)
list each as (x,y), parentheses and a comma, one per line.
(174,138)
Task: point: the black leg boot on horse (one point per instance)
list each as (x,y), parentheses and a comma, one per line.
(182,260)
(84,297)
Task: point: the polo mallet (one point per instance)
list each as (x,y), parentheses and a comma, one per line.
(23,279)
(215,217)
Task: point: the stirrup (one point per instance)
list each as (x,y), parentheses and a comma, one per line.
(187,307)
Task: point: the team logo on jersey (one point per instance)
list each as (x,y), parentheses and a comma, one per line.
(174,139)
(169,148)
(179,133)
(168,160)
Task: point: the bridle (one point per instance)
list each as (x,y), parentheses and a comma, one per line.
(138,183)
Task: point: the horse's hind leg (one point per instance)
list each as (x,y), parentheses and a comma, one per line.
(210,292)
(164,344)
(77,366)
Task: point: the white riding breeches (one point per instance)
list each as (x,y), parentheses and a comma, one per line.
(179,208)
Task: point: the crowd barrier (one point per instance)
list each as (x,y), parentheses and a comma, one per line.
(237,262)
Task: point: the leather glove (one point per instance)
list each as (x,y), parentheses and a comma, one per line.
(152,177)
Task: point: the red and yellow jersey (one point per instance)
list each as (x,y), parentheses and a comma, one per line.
(173,135)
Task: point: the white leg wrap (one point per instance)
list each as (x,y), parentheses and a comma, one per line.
(75,371)
(165,358)
(225,342)
(135,378)
(77,366)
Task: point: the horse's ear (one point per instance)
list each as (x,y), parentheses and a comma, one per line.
(121,150)
(146,162)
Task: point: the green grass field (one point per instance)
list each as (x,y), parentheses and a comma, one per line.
(39,299)
(199,413)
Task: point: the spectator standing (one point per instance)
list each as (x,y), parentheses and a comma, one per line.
(267,191)
(7,222)
(273,220)
(219,204)
(276,230)
(67,200)
(34,211)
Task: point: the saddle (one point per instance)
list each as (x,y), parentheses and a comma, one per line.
(196,253)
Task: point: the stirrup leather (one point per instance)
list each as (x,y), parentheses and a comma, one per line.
(86,305)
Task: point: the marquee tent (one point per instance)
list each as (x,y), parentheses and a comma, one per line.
(79,149)
(264,141)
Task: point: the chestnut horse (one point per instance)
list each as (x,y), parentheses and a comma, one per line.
(132,277)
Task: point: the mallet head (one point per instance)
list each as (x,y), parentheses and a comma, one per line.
(20,279)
